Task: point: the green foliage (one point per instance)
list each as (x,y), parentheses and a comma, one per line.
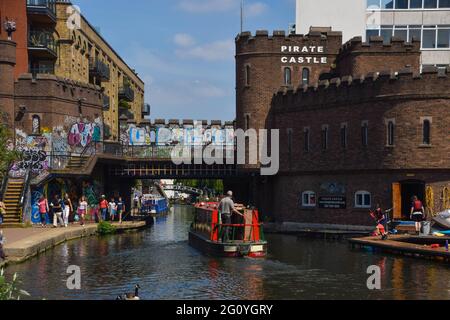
(105,228)
(124,104)
(10,290)
(217,185)
(6,155)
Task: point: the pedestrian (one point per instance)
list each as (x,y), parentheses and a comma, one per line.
(2,241)
(57,207)
(112,209)
(120,209)
(82,209)
(226,209)
(2,211)
(104,208)
(417,213)
(43,210)
(68,208)
(380,219)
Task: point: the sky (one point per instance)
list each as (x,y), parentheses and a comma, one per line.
(184,49)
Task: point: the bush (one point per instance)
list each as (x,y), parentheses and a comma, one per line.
(10,290)
(105,228)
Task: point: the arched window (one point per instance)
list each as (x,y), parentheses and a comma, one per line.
(247,75)
(426,132)
(391,133)
(305,76)
(309,199)
(36,125)
(363,199)
(287,76)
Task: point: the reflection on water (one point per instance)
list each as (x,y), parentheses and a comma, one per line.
(161,261)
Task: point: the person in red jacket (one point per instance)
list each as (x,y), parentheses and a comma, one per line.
(104,208)
(417,213)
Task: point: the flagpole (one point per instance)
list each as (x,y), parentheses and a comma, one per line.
(242,16)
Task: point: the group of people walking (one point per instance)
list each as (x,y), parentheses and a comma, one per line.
(60,210)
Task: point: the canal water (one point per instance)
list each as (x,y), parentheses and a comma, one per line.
(162,263)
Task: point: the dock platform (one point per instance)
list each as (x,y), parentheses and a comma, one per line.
(413,246)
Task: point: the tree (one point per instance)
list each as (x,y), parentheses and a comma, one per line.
(7,153)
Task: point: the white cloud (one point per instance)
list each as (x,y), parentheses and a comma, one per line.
(255,9)
(208,6)
(214,51)
(205,6)
(184,40)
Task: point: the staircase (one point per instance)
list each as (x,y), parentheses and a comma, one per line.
(11,199)
(76,164)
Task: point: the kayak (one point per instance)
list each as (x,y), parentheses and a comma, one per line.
(443,219)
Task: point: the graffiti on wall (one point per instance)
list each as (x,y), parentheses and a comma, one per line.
(188,135)
(33,150)
(82,134)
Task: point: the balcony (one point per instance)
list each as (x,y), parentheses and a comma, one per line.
(106,102)
(99,70)
(50,69)
(126,93)
(41,44)
(145,109)
(42,11)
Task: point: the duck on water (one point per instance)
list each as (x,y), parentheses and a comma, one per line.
(130,296)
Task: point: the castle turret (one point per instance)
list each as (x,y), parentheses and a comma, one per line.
(264,63)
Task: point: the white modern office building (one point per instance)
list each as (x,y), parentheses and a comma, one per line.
(427,20)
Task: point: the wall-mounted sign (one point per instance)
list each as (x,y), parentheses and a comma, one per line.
(332,202)
(303,54)
(333,188)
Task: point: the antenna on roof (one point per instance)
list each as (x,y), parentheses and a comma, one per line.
(242,16)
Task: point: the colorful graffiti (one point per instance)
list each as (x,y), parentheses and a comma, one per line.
(188,135)
(36,195)
(82,134)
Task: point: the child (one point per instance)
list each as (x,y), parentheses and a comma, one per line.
(380,219)
(112,209)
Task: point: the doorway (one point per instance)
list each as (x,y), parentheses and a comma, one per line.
(409,189)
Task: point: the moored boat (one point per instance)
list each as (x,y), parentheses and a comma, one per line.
(154,205)
(243,237)
(443,219)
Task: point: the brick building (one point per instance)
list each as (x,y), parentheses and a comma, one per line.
(366,127)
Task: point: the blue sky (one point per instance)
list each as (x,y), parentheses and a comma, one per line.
(184,49)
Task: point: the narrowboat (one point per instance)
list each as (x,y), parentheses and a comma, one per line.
(154,205)
(244,237)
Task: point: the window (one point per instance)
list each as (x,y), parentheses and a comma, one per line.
(373,4)
(289,142)
(305,76)
(401,4)
(430,4)
(387,4)
(344,136)
(247,75)
(444,3)
(287,76)
(429,39)
(365,134)
(36,125)
(415,32)
(247,121)
(390,133)
(309,199)
(443,40)
(386,33)
(426,132)
(306,137)
(363,199)
(415,4)
(325,137)
(372,33)
(402,33)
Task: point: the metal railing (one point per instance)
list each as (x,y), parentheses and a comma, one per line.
(49,5)
(24,193)
(42,39)
(100,69)
(42,70)
(126,93)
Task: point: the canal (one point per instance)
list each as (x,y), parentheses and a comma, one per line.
(162,263)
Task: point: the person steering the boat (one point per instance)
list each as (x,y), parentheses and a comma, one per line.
(226,209)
